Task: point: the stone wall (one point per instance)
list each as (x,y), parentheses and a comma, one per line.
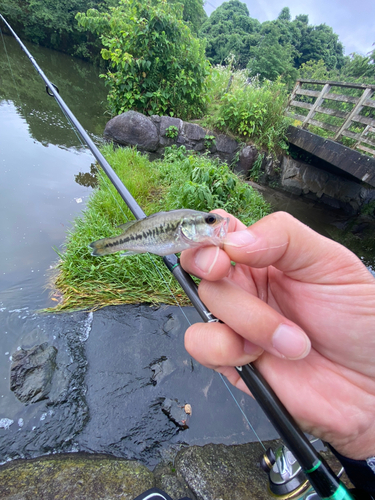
(151,134)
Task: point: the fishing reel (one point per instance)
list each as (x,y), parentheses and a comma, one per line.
(286,477)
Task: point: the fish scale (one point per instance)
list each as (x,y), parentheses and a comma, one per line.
(165,233)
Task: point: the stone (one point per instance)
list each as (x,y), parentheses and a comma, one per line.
(225,144)
(168,121)
(166,479)
(246,160)
(74,476)
(223,472)
(133,129)
(32,371)
(193,132)
(291,179)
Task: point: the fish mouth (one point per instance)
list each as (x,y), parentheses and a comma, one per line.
(222,230)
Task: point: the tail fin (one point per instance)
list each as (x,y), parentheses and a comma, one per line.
(101,247)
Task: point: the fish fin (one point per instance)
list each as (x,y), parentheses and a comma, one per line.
(127,224)
(129,253)
(100,247)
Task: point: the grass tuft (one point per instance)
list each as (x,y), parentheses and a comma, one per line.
(181,180)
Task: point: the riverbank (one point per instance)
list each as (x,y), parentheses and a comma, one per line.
(201,473)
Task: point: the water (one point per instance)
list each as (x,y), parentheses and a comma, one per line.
(109,387)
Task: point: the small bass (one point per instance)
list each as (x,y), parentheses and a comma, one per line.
(165,233)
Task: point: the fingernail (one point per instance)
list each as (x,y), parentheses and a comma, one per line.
(240,238)
(291,342)
(205,258)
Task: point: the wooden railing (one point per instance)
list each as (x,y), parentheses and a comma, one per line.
(339,122)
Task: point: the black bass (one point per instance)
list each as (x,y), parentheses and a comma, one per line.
(165,233)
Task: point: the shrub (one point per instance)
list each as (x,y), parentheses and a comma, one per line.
(156,65)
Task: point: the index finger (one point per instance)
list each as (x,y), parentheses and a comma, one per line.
(281,241)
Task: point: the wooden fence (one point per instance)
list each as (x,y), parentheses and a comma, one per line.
(363,135)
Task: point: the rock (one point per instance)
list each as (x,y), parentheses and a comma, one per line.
(133,129)
(32,371)
(247,158)
(166,479)
(75,476)
(175,412)
(193,132)
(223,472)
(225,144)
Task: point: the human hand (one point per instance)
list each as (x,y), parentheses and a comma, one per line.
(303,307)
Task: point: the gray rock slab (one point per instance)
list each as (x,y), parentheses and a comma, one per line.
(32,371)
(133,129)
(223,472)
(74,476)
(193,132)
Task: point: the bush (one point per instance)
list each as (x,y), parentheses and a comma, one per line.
(156,65)
(181,180)
(248,108)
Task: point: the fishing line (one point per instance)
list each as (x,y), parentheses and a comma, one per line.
(105,180)
(321,477)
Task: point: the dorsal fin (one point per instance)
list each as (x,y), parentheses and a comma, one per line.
(127,224)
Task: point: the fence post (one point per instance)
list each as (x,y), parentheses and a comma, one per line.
(318,102)
(367,93)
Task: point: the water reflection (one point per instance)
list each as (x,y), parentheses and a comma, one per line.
(88,179)
(78,83)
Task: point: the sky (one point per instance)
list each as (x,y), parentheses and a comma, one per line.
(352,20)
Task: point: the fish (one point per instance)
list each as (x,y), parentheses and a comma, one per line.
(165,233)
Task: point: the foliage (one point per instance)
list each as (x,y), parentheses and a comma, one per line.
(209,141)
(256,169)
(87,281)
(171,132)
(193,13)
(271,60)
(253,110)
(156,65)
(229,29)
(53,23)
(316,70)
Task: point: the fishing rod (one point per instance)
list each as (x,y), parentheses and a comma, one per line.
(321,477)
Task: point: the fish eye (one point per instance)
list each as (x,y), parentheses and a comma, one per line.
(210,219)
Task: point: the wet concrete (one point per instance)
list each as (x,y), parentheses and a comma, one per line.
(122,379)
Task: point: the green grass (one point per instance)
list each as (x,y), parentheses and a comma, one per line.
(180,181)
(252,111)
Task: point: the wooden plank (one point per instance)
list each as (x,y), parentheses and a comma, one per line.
(310,93)
(317,103)
(337,84)
(368,150)
(326,126)
(351,161)
(342,98)
(295,116)
(355,111)
(294,92)
(358,137)
(300,104)
(364,120)
(351,135)
(331,112)
(370,103)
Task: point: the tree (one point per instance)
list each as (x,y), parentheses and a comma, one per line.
(156,65)
(230,30)
(284,15)
(52,24)
(271,60)
(193,13)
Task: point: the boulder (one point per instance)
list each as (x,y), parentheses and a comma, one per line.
(133,129)
(247,158)
(32,371)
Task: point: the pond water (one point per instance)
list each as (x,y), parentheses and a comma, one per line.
(111,387)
